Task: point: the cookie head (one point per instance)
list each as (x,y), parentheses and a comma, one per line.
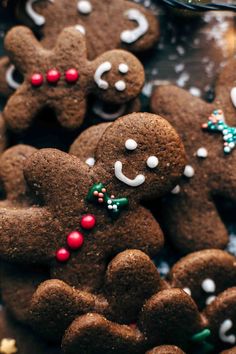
(141,154)
(115,73)
(204,275)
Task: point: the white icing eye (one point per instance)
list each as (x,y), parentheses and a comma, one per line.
(84,7)
(208,285)
(189,171)
(120,85)
(187,291)
(123,68)
(90,161)
(152,161)
(131,144)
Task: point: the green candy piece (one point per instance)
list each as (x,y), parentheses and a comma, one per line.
(201,336)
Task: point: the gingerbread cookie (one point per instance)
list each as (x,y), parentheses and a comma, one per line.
(62,78)
(190,216)
(15,338)
(75,221)
(3,135)
(204,275)
(133,27)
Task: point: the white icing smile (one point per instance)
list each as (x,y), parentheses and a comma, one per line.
(136,182)
(225,327)
(38,19)
(131,36)
(12,83)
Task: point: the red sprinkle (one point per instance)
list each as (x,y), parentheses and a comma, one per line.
(63,255)
(72,75)
(37,80)
(88,222)
(53,76)
(75,240)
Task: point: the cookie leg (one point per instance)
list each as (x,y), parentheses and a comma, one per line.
(170,317)
(193,226)
(131,278)
(93,333)
(57,304)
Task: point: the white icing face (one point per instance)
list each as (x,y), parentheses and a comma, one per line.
(152,162)
(84,7)
(208,285)
(233,96)
(120,85)
(189,171)
(38,19)
(224,328)
(12,83)
(131,36)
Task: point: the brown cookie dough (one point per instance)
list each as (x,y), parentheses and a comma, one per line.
(166,349)
(190,216)
(133,27)
(62,78)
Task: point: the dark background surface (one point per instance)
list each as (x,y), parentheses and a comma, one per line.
(189,54)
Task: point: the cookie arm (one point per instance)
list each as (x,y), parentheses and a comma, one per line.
(94,333)
(50,172)
(22,46)
(26,235)
(21,108)
(193,225)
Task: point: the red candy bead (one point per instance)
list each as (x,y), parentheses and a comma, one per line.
(75,240)
(63,255)
(36,79)
(53,76)
(88,221)
(72,75)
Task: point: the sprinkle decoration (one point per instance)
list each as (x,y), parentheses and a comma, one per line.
(200,338)
(75,239)
(216,123)
(53,76)
(37,79)
(98,194)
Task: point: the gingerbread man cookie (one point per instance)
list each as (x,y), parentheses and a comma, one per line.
(92,219)
(204,275)
(133,27)
(190,215)
(62,78)
(166,349)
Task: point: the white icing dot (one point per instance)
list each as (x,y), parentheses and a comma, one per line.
(187,291)
(90,161)
(233,96)
(131,144)
(85,7)
(189,171)
(81,29)
(176,190)
(202,152)
(152,161)
(120,85)
(210,299)
(123,68)
(208,285)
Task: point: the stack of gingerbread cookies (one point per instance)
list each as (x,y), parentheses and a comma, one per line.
(83,225)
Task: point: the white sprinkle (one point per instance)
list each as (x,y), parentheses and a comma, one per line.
(90,161)
(176,190)
(188,291)
(202,152)
(189,171)
(195,91)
